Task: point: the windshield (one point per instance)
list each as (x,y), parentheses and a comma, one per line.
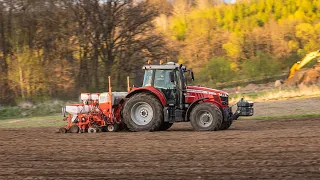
(147,80)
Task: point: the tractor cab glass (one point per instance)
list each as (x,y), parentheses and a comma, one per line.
(159,78)
(163,79)
(147,80)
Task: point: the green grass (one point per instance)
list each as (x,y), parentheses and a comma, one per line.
(251,95)
(24,110)
(45,114)
(294,116)
(47,121)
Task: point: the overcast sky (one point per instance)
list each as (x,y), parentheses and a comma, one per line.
(230,1)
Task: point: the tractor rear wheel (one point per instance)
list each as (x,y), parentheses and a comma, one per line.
(143,112)
(225,125)
(206,117)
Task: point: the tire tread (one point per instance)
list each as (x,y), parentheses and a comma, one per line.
(215,111)
(157,120)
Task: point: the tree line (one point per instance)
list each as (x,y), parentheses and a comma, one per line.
(58,48)
(246,40)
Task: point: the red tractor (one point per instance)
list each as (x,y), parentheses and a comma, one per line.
(165,98)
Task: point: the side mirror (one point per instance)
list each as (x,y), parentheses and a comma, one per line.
(171,76)
(192,76)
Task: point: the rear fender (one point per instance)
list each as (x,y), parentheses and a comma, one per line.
(150,90)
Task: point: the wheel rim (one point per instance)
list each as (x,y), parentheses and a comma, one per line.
(92,130)
(110,128)
(141,113)
(204,118)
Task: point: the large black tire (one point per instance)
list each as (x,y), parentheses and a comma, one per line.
(225,125)
(206,117)
(143,112)
(165,126)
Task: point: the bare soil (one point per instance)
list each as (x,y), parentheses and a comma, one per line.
(251,149)
(287,107)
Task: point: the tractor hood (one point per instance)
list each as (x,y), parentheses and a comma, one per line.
(205,90)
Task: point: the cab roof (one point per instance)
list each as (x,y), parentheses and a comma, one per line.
(168,66)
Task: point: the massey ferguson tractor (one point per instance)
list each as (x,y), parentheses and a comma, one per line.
(164,98)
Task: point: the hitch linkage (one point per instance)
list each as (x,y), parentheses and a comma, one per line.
(244,108)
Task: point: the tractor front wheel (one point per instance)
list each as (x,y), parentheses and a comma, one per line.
(206,117)
(143,112)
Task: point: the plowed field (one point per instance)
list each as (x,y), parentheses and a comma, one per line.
(250,149)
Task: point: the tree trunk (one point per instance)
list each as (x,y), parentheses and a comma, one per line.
(83,81)
(95,63)
(21,82)
(6,95)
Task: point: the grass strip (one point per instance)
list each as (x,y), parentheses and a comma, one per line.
(46,121)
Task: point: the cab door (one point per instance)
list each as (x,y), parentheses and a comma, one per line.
(162,82)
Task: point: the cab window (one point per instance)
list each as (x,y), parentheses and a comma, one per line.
(147,80)
(162,79)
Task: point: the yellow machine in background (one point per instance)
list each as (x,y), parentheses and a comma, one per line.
(298,65)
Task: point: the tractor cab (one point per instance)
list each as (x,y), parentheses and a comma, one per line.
(170,80)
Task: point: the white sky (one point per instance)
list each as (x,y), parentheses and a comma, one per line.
(230,1)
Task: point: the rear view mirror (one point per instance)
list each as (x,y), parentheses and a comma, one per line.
(171,76)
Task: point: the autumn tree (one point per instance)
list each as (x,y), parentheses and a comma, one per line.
(6,95)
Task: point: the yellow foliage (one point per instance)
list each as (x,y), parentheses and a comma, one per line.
(317,30)
(233,47)
(293,45)
(234,66)
(282,29)
(311,46)
(233,50)
(180,60)
(179,27)
(305,31)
